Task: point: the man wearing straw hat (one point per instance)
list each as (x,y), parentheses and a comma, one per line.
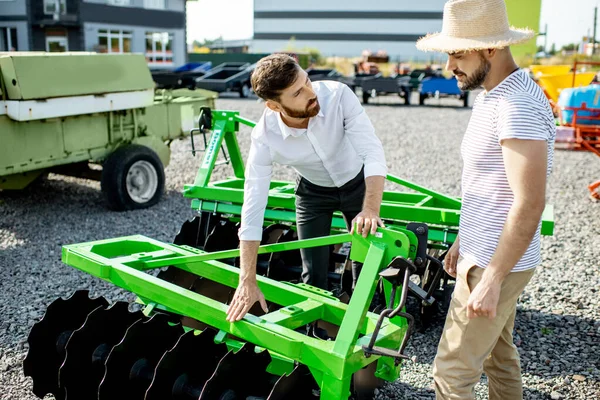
(507,152)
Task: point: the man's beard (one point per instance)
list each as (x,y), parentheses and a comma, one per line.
(306,113)
(476,79)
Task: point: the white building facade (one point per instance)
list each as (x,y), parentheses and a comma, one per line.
(346,28)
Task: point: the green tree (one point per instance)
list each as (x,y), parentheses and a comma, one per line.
(570,47)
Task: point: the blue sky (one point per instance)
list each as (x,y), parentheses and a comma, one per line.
(568,20)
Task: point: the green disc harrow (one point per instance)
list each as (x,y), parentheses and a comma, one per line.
(312,343)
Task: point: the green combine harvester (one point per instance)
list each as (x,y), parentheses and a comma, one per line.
(91,109)
(178,345)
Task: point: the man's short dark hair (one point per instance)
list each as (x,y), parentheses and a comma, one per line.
(273,74)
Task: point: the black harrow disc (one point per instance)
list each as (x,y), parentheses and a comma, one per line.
(240,376)
(48,338)
(285,265)
(193,232)
(178,277)
(183,370)
(89,346)
(223,237)
(299,385)
(131,363)
(208,231)
(364,382)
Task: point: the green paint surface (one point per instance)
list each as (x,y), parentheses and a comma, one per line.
(524,14)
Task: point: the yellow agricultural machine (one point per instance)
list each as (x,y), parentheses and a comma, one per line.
(574,94)
(554,78)
(578,110)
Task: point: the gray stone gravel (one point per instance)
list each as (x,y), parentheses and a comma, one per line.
(558,319)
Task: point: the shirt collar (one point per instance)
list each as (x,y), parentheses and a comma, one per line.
(287,131)
(284,129)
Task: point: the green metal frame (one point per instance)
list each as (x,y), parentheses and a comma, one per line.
(126,261)
(440,212)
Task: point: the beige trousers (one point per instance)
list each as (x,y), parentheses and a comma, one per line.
(469,346)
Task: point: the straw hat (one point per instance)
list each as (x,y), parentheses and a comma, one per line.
(471,25)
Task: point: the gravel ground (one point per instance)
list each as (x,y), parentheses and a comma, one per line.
(558,319)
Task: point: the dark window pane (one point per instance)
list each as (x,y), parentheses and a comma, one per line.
(3,40)
(114,45)
(57,46)
(126,45)
(13,40)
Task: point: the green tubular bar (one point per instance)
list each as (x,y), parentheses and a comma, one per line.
(440,212)
(123,262)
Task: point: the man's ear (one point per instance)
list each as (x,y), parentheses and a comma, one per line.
(274,106)
(491,53)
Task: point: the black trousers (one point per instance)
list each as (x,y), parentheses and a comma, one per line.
(315,206)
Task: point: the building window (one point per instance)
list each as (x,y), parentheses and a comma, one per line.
(114,41)
(155,4)
(8,39)
(159,48)
(50,7)
(57,40)
(118,2)
(57,44)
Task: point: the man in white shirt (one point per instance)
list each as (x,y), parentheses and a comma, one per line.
(321,130)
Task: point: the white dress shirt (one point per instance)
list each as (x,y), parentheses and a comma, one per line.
(338,142)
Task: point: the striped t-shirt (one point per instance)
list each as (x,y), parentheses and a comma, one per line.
(515,109)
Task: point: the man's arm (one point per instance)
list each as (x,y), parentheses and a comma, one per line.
(374,193)
(256,193)
(247,292)
(368,219)
(526,165)
(361,134)
(451,259)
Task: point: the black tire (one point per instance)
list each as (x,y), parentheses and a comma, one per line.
(422,98)
(115,174)
(366,96)
(245,90)
(189,84)
(466,99)
(406,93)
